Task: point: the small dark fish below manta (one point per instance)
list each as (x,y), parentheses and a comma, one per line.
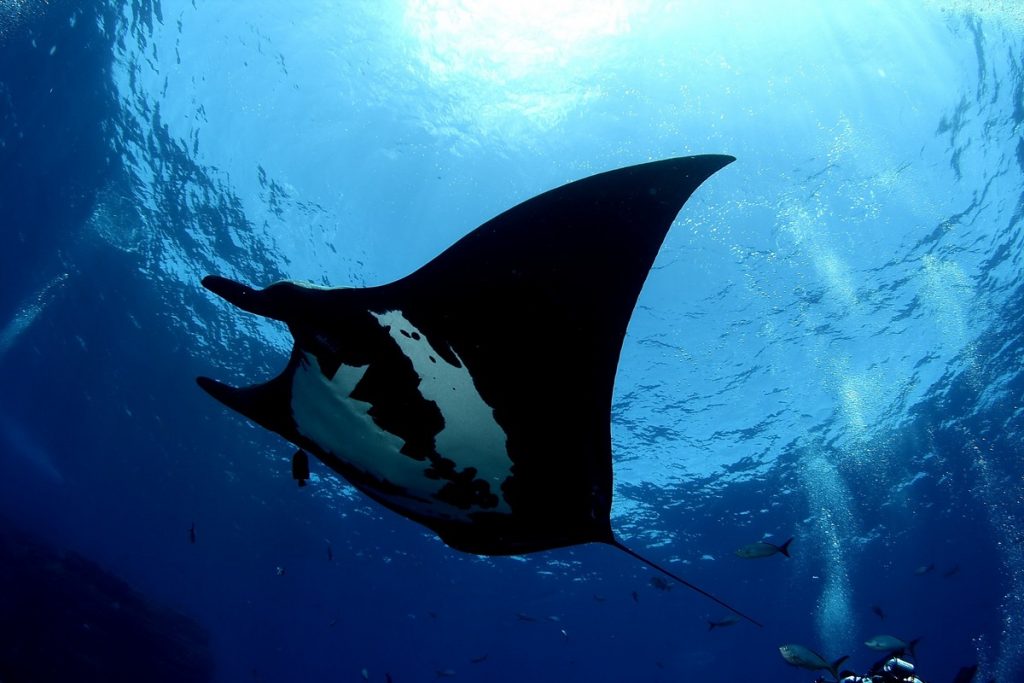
(661,584)
(300,467)
(474,395)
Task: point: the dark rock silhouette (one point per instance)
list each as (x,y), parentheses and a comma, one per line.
(64,618)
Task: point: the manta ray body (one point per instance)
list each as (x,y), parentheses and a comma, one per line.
(474,395)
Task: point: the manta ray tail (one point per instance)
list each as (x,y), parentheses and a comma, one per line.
(633,553)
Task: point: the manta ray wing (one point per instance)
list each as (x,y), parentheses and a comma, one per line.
(474,395)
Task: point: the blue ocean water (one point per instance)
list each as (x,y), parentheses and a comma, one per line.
(829,346)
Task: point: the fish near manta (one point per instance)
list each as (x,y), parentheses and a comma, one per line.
(474,395)
(806,658)
(754,551)
(891,644)
(727,620)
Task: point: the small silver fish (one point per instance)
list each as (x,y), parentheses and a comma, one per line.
(883,643)
(755,551)
(727,620)
(806,658)
(924,569)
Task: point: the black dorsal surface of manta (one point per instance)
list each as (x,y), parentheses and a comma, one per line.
(474,395)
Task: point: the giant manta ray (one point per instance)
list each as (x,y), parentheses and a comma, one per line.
(474,395)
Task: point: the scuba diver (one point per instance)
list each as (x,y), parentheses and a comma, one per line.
(896,670)
(889,670)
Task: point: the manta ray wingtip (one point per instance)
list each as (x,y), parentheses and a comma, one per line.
(218,390)
(266,403)
(233,292)
(718,161)
(271,302)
